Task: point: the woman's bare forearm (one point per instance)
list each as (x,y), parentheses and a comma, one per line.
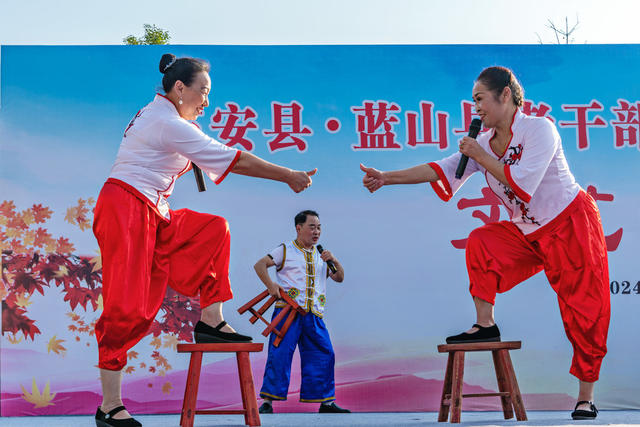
(251,165)
(414,175)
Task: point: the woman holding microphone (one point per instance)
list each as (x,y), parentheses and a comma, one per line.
(554,224)
(145,245)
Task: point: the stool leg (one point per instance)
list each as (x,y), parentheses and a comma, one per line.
(261,310)
(456,386)
(518,405)
(501,376)
(285,328)
(254,301)
(191,390)
(443,415)
(249,401)
(276,321)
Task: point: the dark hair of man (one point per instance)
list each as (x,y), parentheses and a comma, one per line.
(497,78)
(183,69)
(301,218)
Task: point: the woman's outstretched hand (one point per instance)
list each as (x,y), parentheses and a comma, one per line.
(373,179)
(300,180)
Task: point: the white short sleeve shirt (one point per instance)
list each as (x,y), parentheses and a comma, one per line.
(158,147)
(540,186)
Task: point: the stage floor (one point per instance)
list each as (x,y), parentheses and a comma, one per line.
(399,419)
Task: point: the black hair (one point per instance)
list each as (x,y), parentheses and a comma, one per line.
(301,218)
(183,69)
(497,78)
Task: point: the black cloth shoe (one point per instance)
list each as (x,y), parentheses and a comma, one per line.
(107,420)
(483,334)
(332,409)
(581,414)
(204,333)
(266,408)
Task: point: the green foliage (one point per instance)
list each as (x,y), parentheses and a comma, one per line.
(152,35)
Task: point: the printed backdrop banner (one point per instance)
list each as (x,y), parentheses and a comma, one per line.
(62,115)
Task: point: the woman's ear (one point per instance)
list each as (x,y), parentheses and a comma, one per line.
(179,87)
(506,94)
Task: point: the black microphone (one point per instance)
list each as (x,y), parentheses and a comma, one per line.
(199,177)
(330,264)
(474,129)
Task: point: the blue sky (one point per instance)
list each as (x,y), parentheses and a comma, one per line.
(318,21)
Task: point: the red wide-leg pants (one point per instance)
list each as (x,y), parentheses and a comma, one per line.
(573,253)
(142,253)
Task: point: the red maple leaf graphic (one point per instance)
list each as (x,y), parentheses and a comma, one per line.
(40,213)
(17,222)
(78,295)
(64,246)
(8,209)
(43,238)
(28,283)
(14,320)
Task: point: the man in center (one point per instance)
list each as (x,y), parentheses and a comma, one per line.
(301,271)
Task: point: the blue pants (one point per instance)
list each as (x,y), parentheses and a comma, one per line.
(316,359)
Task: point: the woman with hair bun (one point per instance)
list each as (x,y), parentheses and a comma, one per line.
(145,245)
(555,225)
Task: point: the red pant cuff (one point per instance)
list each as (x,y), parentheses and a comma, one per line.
(111,365)
(485,296)
(589,377)
(218,298)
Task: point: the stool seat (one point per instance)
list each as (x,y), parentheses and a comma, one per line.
(249,401)
(509,392)
(221,347)
(480,346)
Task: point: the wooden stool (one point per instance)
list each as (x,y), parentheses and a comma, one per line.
(249,402)
(507,384)
(292,308)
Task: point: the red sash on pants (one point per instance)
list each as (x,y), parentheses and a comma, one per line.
(142,253)
(573,253)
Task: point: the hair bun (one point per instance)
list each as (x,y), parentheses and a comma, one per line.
(167,60)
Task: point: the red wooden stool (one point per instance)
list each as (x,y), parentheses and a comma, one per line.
(249,402)
(509,391)
(292,308)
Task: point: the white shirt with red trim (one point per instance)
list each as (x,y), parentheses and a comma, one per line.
(540,186)
(158,147)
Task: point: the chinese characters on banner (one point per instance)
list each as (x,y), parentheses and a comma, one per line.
(235,125)
(493,202)
(376,122)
